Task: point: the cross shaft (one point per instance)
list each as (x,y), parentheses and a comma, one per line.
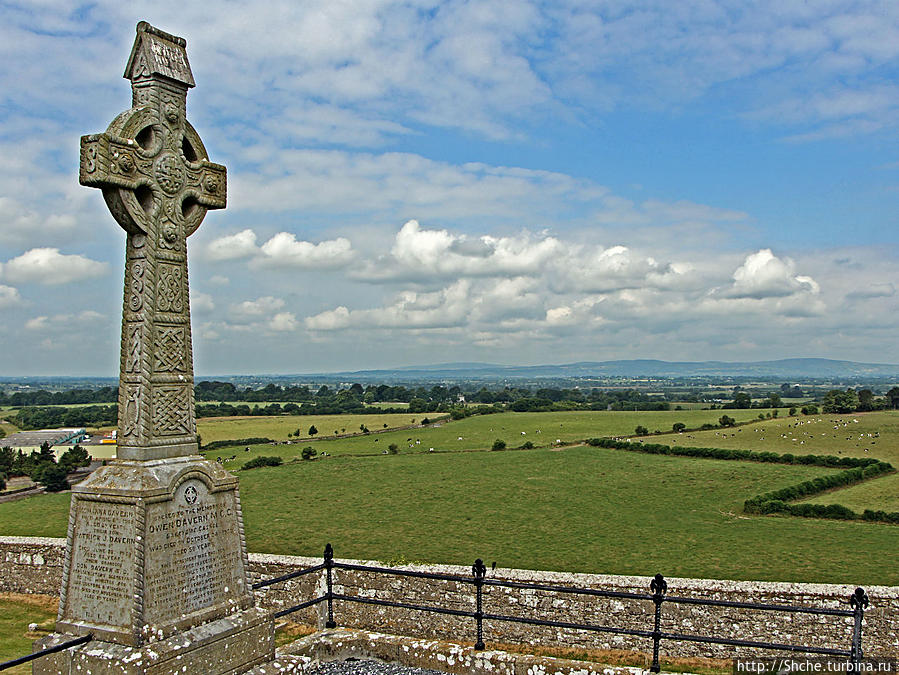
(158,184)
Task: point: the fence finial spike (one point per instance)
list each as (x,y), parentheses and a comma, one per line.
(658,585)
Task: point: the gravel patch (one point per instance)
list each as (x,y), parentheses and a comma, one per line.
(363,667)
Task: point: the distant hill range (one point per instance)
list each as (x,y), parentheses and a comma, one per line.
(783,368)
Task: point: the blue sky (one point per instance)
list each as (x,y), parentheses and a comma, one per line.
(513,182)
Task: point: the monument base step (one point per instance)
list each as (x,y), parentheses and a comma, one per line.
(230,645)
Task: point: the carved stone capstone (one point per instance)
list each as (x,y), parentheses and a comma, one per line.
(158,183)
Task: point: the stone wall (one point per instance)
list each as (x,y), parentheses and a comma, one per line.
(35,565)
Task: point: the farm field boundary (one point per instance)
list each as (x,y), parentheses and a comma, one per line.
(857,470)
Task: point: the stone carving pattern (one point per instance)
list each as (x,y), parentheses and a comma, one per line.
(171,414)
(136,301)
(131,413)
(169,350)
(137,609)
(132,360)
(170,289)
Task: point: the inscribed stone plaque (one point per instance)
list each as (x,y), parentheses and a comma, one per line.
(193,550)
(101,583)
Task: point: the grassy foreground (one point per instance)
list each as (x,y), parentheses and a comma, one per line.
(16,612)
(576,509)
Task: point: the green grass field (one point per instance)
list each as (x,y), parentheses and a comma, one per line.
(16,612)
(277,428)
(880,494)
(473,433)
(577,509)
(874,434)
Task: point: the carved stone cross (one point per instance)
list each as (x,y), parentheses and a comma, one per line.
(158,184)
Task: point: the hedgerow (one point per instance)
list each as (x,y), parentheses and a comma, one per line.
(214,445)
(857,469)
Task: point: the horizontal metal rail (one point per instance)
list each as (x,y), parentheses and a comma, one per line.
(659,587)
(297,608)
(567,624)
(287,577)
(567,589)
(404,605)
(752,643)
(62,646)
(403,573)
(760,606)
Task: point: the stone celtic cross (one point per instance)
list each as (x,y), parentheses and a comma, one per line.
(158,184)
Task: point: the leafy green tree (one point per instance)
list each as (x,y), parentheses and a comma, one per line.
(46,453)
(678,426)
(7,457)
(836,401)
(865,400)
(892,397)
(393,448)
(74,457)
(499,444)
(641,430)
(308,452)
(792,411)
(52,476)
(742,400)
(313,430)
(726,421)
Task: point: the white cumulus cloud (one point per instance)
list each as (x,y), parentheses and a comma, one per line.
(9,297)
(764,275)
(233,246)
(50,267)
(410,310)
(284,250)
(249,310)
(283,321)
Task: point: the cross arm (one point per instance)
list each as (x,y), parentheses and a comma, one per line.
(107,161)
(214,185)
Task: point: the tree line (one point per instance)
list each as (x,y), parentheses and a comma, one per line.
(41,465)
(44,409)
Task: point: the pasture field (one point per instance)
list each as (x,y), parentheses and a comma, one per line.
(472,433)
(873,434)
(277,427)
(880,494)
(16,612)
(577,509)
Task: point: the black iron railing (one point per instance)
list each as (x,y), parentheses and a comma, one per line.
(658,595)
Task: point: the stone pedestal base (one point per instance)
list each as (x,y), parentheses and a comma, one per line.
(231,645)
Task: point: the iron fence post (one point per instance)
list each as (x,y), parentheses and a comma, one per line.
(659,587)
(479,570)
(329,563)
(858,601)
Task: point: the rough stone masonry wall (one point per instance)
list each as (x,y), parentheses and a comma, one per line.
(34,565)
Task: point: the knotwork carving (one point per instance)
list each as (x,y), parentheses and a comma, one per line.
(171,415)
(169,350)
(169,173)
(169,289)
